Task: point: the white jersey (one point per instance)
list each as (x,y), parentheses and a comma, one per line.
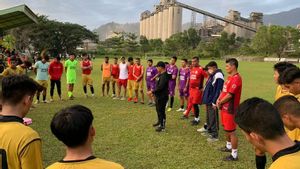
(123,71)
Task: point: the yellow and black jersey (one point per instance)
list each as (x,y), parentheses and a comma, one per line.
(294,134)
(89,163)
(288,158)
(20,146)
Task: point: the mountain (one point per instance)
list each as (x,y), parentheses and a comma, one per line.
(286,18)
(108,29)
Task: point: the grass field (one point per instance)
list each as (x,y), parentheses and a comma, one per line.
(124,131)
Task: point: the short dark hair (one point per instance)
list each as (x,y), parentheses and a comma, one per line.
(166,63)
(130,59)
(196,57)
(280,67)
(233,62)
(259,116)
(175,58)
(106,57)
(14,88)
(185,60)
(139,59)
(116,58)
(71,125)
(212,64)
(150,60)
(72,54)
(288,105)
(289,75)
(58,58)
(84,54)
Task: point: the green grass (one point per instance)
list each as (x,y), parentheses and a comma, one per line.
(124,131)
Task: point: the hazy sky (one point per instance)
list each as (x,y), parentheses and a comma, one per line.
(94,13)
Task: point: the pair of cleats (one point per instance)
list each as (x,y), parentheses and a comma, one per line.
(159,128)
(230,157)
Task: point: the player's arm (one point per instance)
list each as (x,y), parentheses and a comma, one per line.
(101,67)
(66,66)
(226,99)
(31,155)
(174,75)
(142,73)
(133,73)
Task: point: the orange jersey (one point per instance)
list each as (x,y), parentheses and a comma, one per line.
(106,70)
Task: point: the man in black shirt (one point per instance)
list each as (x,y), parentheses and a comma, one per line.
(161,96)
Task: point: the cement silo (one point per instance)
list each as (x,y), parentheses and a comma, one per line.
(160,24)
(171,22)
(165,23)
(177,19)
(155,26)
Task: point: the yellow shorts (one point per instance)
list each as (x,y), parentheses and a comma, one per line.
(43,83)
(105,80)
(130,84)
(138,85)
(87,80)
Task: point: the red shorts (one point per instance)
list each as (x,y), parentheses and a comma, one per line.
(122,82)
(195,96)
(227,121)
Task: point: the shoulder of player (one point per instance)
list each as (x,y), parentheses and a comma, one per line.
(110,164)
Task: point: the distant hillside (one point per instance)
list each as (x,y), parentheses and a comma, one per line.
(106,30)
(287,18)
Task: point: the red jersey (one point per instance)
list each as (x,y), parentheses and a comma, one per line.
(55,70)
(130,72)
(233,85)
(86,64)
(197,75)
(138,70)
(115,71)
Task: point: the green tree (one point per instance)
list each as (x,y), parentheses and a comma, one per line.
(9,42)
(144,45)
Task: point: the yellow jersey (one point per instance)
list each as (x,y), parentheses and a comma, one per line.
(89,163)
(287,159)
(9,71)
(281,92)
(20,146)
(294,134)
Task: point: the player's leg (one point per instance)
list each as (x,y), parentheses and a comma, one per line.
(114,87)
(52,85)
(58,87)
(129,89)
(45,84)
(119,85)
(90,83)
(107,87)
(181,101)
(196,120)
(103,87)
(212,123)
(136,92)
(125,89)
(141,88)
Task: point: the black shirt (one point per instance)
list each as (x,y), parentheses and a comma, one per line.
(162,85)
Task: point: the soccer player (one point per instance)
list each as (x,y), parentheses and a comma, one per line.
(106,75)
(263,127)
(184,76)
(138,73)
(290,78)
(197,75)
(151,74)
(87,67)
(56,69)
(41,70)
(115,72)
(20,146)
(74,127)
(228,103)
(131,79)
(211,93)
(70,69)
(279,68)
(12,69)
(161,96)
(289,109)
(123,78)
(173,71)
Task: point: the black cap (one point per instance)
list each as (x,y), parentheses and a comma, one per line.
(161,64)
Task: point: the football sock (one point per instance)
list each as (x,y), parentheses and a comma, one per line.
(70,93)
(38,98)
(44,98)
(234,153)
(228,145)
(197,119)
(182,106)
(84,89)
(172,101)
